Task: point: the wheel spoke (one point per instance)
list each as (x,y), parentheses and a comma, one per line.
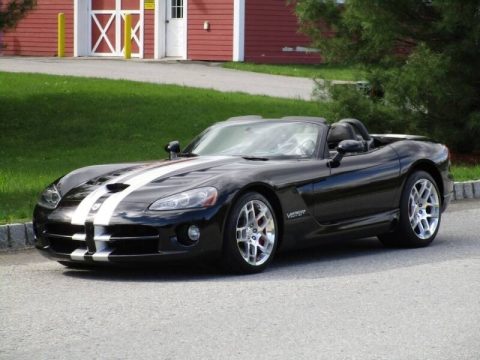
(414,222)
(263,248)
(420,227)
(425,225)
(241,234)
(261,214)
(249,250)
(415,194)
(253,254)
(413,212)
(427,192)
(423,186)
(263,227)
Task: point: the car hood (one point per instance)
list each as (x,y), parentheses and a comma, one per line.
(99,193)
(154,178)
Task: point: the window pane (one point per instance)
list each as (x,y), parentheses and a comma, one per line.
(177,9)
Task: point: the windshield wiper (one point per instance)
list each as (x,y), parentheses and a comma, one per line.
(255,158)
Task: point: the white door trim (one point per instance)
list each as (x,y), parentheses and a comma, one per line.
(238,30)
(81,28)
(141,22)
(185,42)
(160,29)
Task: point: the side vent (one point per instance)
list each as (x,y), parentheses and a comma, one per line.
(117,187)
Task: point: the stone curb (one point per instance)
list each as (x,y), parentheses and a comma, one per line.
(466,190)
(20,236)
(16,236)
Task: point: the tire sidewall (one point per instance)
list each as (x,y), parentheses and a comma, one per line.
(232,259)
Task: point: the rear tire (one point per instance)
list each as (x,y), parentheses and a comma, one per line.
(251,235)
(420,213)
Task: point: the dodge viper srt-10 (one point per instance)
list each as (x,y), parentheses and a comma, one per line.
(244,189)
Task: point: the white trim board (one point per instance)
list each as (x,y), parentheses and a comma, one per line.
(185,16)
(238,30)
(160,28)
(81,28)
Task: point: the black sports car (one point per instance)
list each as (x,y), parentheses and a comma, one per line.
(245,188)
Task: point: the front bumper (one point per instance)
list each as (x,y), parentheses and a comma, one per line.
(134,239)
(81,255)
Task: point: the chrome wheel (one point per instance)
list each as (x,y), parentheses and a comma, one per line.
(255,232)
(424,208)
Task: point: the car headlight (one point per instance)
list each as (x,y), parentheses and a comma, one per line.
(197,198)
(50,197)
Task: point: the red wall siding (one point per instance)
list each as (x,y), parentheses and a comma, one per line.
(148,34)
(36,34)
(216,43)
(270,26)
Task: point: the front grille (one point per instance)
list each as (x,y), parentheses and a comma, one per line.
(63,230)
(124,232)
(65,238)
(65,245)
(133,239)
(135,247)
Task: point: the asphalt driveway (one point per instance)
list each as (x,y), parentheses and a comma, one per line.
(198,75)
(347,300)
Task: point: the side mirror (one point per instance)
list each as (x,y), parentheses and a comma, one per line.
(345,147)
(173,149)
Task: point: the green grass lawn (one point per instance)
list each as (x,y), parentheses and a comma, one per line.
(465,173)
(50,125)
(323,71)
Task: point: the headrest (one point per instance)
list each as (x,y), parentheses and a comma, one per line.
(338,132)
(360,128)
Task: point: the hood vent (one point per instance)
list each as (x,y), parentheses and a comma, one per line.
(117,187)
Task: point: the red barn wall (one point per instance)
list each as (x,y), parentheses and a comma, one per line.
(148,34)
(36,34)
(216,43)
(270,26)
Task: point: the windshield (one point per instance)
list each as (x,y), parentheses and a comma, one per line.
(262,139)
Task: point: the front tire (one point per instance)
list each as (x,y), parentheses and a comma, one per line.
(251,235)
(420,213)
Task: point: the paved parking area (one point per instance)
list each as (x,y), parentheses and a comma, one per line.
(199,75)
(349,300)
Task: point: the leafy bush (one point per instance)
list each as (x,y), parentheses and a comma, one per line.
(424,56)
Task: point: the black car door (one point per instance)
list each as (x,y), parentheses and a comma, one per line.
(363,184)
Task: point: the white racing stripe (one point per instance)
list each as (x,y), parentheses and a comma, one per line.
(81,212)
(79,254)
(107,209)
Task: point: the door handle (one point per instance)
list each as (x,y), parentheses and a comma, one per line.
(167,21)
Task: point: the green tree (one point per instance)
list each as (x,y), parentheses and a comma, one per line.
(13,11)
(423,55)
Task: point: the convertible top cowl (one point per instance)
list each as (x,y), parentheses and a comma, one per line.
(391,138)
(287,118)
